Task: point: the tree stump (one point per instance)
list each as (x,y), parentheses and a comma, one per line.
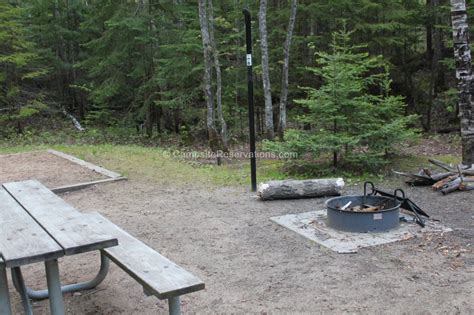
(293,189)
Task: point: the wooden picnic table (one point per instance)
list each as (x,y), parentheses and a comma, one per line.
(38,226)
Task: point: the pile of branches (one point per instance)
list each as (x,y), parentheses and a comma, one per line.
(452,179)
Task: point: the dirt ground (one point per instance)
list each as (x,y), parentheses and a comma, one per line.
(53,171)
(252,265)
(440,144)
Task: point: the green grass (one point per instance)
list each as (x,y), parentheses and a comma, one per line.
(154,164)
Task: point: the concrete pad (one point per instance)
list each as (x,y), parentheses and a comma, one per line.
(312,225)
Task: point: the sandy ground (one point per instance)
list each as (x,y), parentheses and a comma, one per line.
(45,167)
(252,265)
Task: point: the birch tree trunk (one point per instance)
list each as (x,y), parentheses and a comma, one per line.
(217,66)
(207,50)
(284,75)
(267,91)
(462,55)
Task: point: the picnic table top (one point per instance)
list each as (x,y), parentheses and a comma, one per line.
(38,226)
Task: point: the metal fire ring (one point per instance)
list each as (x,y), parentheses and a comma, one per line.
(363,222)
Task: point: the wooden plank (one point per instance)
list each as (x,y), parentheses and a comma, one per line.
(88,165)
(158,275)
(67,188)
(36,198)
(22,240)
(70,228)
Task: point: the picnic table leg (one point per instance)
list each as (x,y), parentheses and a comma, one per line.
(16,272)
(174,305)
(56,302)
(5,307)
(74,287)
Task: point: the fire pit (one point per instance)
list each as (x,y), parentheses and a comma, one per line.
(366,213)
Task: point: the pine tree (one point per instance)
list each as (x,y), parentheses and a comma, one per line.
(353,117)
(20,64)
(120,61)
(55,27)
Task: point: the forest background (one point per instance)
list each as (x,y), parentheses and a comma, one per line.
(342,81)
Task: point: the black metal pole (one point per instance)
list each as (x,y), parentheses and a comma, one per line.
(248,37)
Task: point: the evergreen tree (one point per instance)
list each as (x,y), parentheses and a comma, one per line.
(352,115)
(120,61)
(20,64)
(141,62)
(179,68)
(55,27)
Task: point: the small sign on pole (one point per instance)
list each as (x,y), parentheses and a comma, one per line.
(249,60)
(248,37)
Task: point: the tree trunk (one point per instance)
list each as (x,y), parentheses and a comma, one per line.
(259,120)
(284,75)
(292,189)
(145,6)
(334,153)
(429,33)
(267,91)
(149,121)
(207,50)
(158,116)
(217,66)
(73,24)
(435,58)
(177,120)
(60,54)
(462,55)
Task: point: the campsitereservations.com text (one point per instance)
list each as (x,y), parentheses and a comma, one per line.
(230,155)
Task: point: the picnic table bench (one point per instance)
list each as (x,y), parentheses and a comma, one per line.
(38,226)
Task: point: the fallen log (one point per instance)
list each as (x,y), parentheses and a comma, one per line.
(439,184)
(462,169)
(441,176)
(442,165)
(466,186)
(451,186)
(293,189)
(455,178)
(416,179)
(469,179)
(454,182)
(423,178)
